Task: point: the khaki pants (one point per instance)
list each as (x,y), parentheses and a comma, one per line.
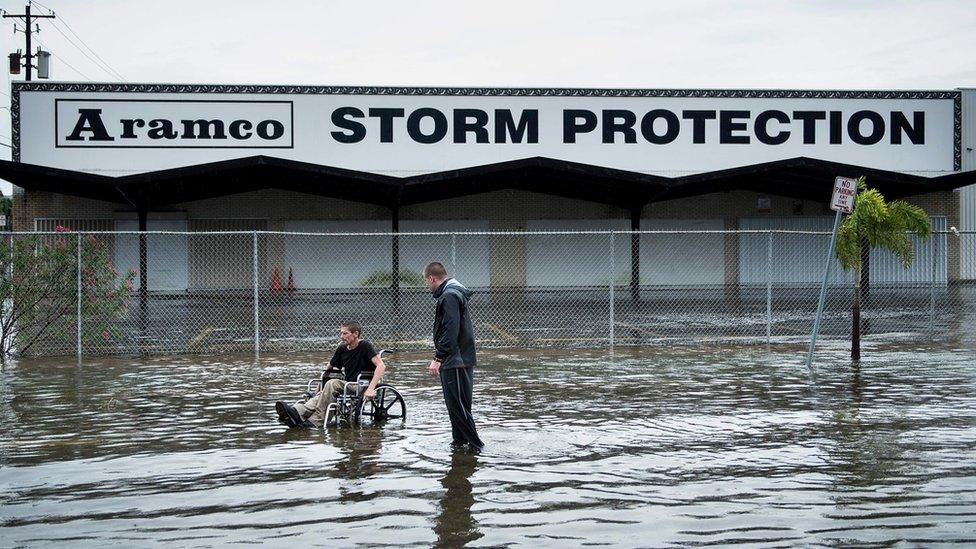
(314,408)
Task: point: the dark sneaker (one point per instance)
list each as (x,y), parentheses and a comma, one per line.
(282,414)
(288,414)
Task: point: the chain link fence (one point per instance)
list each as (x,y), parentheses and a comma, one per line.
(264,292)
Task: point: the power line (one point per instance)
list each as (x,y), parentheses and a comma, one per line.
(77,47)
(101,63)
(59,58)
(43,6)
(61,21)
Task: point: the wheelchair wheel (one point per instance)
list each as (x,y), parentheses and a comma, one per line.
(388,405)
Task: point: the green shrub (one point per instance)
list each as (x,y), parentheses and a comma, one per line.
(39,291)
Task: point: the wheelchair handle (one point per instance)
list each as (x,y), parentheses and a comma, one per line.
(313,382)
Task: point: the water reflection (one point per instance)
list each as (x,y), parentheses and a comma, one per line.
(360,449)
(857,386)
(866,450)
(455,526)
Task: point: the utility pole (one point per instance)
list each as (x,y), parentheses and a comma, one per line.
(27,31)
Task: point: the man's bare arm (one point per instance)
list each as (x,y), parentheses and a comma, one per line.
(377,375)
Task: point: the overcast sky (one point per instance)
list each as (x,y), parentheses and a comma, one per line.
(812,44)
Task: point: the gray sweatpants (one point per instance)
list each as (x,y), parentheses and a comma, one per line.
(458,384)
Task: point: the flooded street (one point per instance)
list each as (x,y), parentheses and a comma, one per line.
(659,447)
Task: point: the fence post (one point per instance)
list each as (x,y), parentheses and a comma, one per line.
(769,288)
(78,296)
(454,253)
(612,274)
(932,250)
(395,268)
(257,302)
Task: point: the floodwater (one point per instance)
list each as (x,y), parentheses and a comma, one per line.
(642,448)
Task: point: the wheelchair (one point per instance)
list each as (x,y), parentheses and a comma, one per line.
(350,408)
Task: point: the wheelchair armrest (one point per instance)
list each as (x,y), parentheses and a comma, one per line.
(325,374)
(319,383)
(365,378)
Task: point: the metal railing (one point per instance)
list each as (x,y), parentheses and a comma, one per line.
(263,292)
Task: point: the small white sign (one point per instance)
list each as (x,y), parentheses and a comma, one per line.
(3,220)
(845,189)
(764,204)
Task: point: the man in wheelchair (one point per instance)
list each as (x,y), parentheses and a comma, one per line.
(353,358)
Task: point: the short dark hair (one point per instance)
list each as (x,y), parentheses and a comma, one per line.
(435,269)
(353,326)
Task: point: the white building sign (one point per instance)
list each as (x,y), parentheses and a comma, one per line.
(119,129)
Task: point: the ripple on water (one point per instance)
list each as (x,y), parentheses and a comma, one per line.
(643,448)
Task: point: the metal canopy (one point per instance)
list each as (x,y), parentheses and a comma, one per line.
(803,178)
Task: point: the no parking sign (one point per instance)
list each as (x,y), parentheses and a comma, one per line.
(845,189)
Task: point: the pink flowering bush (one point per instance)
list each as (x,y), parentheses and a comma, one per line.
(39,291)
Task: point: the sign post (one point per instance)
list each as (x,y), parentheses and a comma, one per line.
(842,202)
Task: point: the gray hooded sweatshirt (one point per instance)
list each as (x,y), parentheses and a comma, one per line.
(453,331)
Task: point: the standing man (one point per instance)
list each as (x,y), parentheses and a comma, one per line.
(454,358)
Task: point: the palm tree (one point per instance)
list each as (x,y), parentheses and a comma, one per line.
(875,223)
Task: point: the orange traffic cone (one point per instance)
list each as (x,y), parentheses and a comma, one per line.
(276,282)
(291,283)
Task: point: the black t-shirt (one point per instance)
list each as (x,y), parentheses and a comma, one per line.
(356,361)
